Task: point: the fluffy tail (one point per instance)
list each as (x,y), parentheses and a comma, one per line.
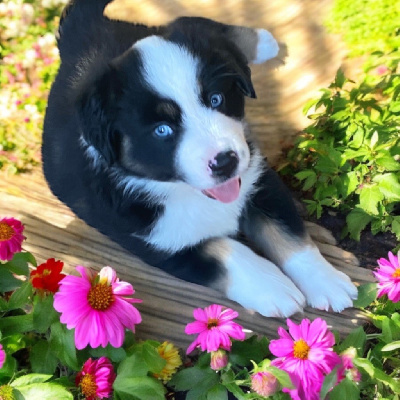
(77,21)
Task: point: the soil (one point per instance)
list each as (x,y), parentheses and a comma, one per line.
(370,247)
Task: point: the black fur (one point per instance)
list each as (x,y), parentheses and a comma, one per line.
(100,101)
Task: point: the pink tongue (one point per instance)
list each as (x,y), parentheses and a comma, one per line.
(227,192)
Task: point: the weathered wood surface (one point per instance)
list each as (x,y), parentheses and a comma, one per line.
(52,230)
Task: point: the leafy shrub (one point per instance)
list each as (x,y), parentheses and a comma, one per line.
(367,25)
(348,158)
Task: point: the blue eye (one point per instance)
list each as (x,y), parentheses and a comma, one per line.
(216,100)
(163,130)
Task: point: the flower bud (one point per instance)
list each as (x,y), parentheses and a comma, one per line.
(264,383)
(219,359)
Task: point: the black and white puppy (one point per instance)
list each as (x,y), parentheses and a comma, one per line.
(145,140)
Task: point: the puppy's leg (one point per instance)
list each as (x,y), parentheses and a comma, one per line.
(229,266)
(273,224)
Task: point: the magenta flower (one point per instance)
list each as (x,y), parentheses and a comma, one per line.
(11,238)
(388,275)
(215,328)
(264,383)
(96,379)
(2,356)
(306,354)
(97,306)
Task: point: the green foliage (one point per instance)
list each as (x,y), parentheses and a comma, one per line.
(348,158)
(367,25)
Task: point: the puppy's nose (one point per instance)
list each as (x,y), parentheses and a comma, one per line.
(224,164)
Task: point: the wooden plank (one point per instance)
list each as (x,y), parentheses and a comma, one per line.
(52,230)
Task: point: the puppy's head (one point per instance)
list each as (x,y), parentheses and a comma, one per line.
(171,108)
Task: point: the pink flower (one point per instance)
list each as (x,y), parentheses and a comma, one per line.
(11,238)
(306,354)
(219,359)
(97,307)
(96,379)
(381,70)
(2,356)
(264,383)
(388,276)
(215,328)
(347,367)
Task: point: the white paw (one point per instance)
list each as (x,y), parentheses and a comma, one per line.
(323,286)
(259,285)
(267,47)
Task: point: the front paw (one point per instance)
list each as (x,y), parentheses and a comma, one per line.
(259,285)
(323,286)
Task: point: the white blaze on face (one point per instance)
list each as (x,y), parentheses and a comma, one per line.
(172,72)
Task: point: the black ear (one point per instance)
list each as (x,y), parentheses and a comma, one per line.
(245,84)
(96,109)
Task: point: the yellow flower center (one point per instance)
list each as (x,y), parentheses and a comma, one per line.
(46,272)
(6,232)
(396,273)
(88,386)
(100,297)
(301,349)
(212,323)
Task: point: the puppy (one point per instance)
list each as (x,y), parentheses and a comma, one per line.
(145,140)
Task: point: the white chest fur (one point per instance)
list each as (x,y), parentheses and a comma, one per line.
(190,217)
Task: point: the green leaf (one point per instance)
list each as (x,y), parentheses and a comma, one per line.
(139,388)
(396,226)
(388,185)
(370,197)
(326,165)
(20,297)
(391,346)
(8,281)
(340,79)
(235,390)
(29,379)
(345,390)
(9,367)
(134,362)
(19,264)
(115,354)
(366,295)
(357,220)
(217,392)
(329,382)
(374,140)
(190,378)
(389,163)
(350,183)
(44,313)
(42,358)
(356,338)
(16,324)
(282,376)
(252,349)
(304,174)
(376,373)
(155,363)
(43,391)
(62,344)
(309,104)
